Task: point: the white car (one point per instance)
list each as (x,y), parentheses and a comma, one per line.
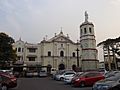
(68,79)
(31,73)
(7,71)
(42,73)
(61,76)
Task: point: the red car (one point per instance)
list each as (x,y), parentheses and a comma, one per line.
(87,78)
(8,80)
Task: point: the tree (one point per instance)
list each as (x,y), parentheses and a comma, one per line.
(111,45)
(7,53)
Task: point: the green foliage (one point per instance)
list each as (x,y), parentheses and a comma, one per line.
(7,54)
(111,44)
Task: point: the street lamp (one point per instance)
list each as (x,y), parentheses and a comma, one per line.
(77,54)
(77,57)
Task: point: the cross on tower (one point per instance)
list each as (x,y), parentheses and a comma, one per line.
(86,16)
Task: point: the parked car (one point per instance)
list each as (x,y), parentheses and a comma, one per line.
(35,73)
(53,71)
(31,73)
(62,75)
(87,78)
(110,83)
(103,71)
(111,73)
(2,86)
(42,73)
(8,81)
(7,71)
(68,79)
(16,74)
(57,72)
(116,87)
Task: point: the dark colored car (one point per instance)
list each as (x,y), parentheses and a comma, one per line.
(2,86)
(116,87)
(87,78)
(111,73)
(110,83)
(8,80)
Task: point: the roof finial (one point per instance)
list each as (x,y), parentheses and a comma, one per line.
(20,39)
(61,31)
(86,16)
(67,36)
(55,34)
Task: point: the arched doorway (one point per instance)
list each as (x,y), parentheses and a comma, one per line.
(49,69)
(61,67)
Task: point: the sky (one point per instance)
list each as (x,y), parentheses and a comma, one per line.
(32,20)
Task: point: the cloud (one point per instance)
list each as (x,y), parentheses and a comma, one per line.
(115,2)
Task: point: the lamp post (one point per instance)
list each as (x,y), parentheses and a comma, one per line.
(77,57)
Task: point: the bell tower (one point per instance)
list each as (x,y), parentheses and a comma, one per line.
(89,54)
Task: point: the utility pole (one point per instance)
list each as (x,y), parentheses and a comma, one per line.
(77,57)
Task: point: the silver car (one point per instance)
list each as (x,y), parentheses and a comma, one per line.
(42,73)
(61,76)
(108,83)
(68,78)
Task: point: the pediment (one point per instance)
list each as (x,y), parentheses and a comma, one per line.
(61,39)
(64,39)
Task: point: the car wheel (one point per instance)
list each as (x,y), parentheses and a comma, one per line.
(61,79)
(4,87)
(82,84)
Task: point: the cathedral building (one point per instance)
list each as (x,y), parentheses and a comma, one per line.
(61,52)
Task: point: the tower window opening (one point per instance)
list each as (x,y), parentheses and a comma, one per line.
(90,30)
(85,31)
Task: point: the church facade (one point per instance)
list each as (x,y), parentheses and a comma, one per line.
(60,51)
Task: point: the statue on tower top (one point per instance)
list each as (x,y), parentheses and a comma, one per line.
(86,16)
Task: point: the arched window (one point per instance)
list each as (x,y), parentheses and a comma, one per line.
(19,49)
(61,53)
(73,54)
(49,53)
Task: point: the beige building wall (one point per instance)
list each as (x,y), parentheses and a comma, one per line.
(55,46)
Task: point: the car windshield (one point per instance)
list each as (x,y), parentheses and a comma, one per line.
(112,73)
(42,71)
(114,77)
(84,74)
